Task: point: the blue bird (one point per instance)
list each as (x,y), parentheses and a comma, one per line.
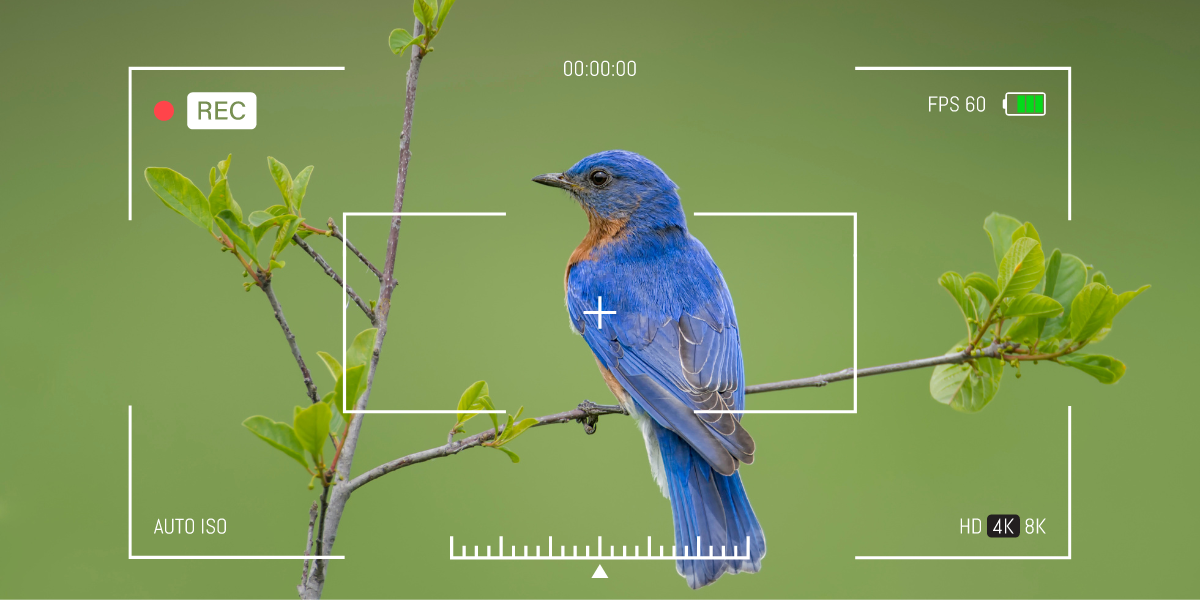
(672,347)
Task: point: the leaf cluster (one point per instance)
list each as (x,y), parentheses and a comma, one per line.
(432,15)
(1053,307)
(222,217)
(320,422)
(476,397)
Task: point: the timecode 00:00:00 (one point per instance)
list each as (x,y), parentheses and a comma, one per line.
(599,68)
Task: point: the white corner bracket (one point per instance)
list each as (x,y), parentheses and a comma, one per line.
(1067,69)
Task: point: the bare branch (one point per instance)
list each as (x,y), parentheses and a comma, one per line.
(312,520)
(291,338)
(321,522)
(993,351)
(337,233)
(584,413)
(366,308)
(333,515)
(587,412)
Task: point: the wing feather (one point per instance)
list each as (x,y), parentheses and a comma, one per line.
(673,355)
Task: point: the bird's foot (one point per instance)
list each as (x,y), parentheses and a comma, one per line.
(592,414)
(590,420)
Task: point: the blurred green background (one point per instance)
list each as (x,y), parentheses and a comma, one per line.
(748,107)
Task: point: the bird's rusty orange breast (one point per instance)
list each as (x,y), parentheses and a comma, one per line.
(600,232)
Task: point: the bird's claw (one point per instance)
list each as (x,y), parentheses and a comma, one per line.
(590,420)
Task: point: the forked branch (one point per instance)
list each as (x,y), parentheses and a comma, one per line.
(337,233)
(366,308)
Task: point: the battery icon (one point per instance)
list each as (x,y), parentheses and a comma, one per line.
(1025,104)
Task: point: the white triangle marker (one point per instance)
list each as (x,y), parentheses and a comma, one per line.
(600,574)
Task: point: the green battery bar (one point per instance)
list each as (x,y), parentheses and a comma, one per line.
(1025,104)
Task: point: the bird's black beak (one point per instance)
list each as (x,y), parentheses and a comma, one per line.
(557,180)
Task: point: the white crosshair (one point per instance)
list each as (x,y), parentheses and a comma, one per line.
(599,312)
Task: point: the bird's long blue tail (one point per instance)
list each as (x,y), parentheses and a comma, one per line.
(712,507)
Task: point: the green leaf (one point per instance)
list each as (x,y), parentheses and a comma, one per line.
(485,403)
(360,349)
(1091,309)
(261,229)
(259,217)
(180,195)
(355,383)
(331,363)
(503,436)
(984,283)
(284,236)
(220,199)
(1118,304)
(312,427)
(300,185)
(1021,268)
(279,435)
(1026,230)
(1023,330)
(1000,229)
(1098,277)
(517,429)
(338,422)
(1047,288)
(1065,277)
(238,233)
(277,210)
(1106,369)
(212,180)
(442,12)
(1033,305)
(965,388)
(223,166)
(283,180)
(400,40)
(470,400)
(1124,297)
(510,453)
(425,13)
(954,284)
(981,305)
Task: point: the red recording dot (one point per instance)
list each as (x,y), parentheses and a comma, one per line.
(164,111)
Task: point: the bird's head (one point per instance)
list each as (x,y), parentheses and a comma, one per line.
(617,185)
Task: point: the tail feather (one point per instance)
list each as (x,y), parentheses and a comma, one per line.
(711,507)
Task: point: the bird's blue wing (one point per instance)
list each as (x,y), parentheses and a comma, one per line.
(673,344)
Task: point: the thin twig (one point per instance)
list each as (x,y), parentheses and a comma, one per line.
(993,351)
(333,463)
(337,233)
(321,524)
(291,339)
(312,520)
(366,308)
(454,447)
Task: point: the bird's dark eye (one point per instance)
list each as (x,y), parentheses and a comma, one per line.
(600,177)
